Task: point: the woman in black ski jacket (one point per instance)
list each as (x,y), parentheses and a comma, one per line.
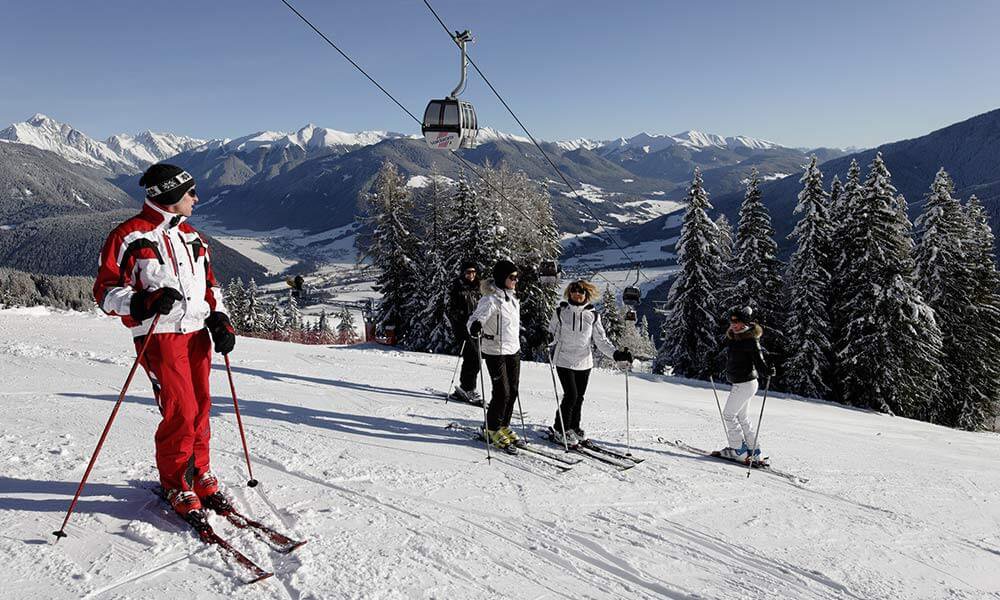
(744,362)
(463,296)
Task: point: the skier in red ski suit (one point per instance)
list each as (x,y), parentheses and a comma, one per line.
(156,263)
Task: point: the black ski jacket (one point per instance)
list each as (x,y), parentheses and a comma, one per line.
(463,297)
(744,359)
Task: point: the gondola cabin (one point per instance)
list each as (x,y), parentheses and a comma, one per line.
(630,315)
(631,296)
(450,124)
(548,272)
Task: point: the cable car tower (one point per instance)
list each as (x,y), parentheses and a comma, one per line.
(450,123)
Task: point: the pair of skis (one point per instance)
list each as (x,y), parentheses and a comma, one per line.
(198,521)
(561,460)
(762,467)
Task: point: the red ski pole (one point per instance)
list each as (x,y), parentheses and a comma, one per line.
(239,421)
(61,533)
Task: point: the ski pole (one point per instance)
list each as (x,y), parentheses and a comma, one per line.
(524,430)
(61,533)
(719,406)
(461,351)
(555,394)
(756,433)
(628,429)
(482,386)
(239,421)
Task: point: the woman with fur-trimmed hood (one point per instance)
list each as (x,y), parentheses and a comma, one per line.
(496,324)
(744,363)
(575,328)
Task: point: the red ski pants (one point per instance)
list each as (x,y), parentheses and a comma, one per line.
(178,364)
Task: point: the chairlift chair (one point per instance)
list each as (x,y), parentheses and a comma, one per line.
(450,123)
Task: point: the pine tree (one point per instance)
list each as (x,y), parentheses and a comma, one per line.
(393,248)
(345,327)
(888,357)
(275,321)
(235,301)
(293,316)
(807,330)
(252,318)
(690,340)
(611,316)
(983,407)
(756,272)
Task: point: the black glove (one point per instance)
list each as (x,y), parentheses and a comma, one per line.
(622,355)
(771,371)
(476,328)
(548,337)
(222,332)
(146,303)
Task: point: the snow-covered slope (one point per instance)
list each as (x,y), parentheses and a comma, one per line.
(350,448)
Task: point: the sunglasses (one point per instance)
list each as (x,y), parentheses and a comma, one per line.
(191,192)
(468,271)
(512,277)
(576,291)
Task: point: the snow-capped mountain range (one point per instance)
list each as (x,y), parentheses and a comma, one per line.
(125,153)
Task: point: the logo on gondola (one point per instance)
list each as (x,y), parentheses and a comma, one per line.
(444,139)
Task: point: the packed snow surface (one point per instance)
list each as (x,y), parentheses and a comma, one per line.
(350,447)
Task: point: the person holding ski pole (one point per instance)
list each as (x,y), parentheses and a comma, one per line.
(496,325)
(574,327)
(744,362)
(463,296)
(157,264)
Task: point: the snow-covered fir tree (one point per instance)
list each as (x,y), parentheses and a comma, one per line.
(293,316)
(393,248)
(345,327)
(235,299)
(889,356)
(755,276)
(846,210)
(637,340)
(807,291)
(982,409)
(690,329)
(726,242)
(252,317)
(274,322)
(611,316)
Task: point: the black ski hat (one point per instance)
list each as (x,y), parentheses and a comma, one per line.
(744,314)
(166,184)
(501,271)
(468,264)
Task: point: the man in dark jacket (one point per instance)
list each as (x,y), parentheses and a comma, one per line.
(744,362)
(463,296)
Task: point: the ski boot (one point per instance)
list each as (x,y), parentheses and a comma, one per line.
(740,454)
(498,440)
(206,486)
(514,438)
(570,440)
(759,460)
(185,503)
(581,435)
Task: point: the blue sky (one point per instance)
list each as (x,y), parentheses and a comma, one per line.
(798,73)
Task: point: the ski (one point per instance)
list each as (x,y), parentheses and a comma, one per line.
(199,522)
(763,468)
(590,445)
(582,451)
(563,464)
(279,541)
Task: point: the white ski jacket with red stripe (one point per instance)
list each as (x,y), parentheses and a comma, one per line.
(152,250)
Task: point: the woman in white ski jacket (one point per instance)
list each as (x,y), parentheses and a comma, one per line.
(496,323)
(575,327)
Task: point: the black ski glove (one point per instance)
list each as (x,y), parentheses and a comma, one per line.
(222,332)
(145,303)
(476,328)
(622,355)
